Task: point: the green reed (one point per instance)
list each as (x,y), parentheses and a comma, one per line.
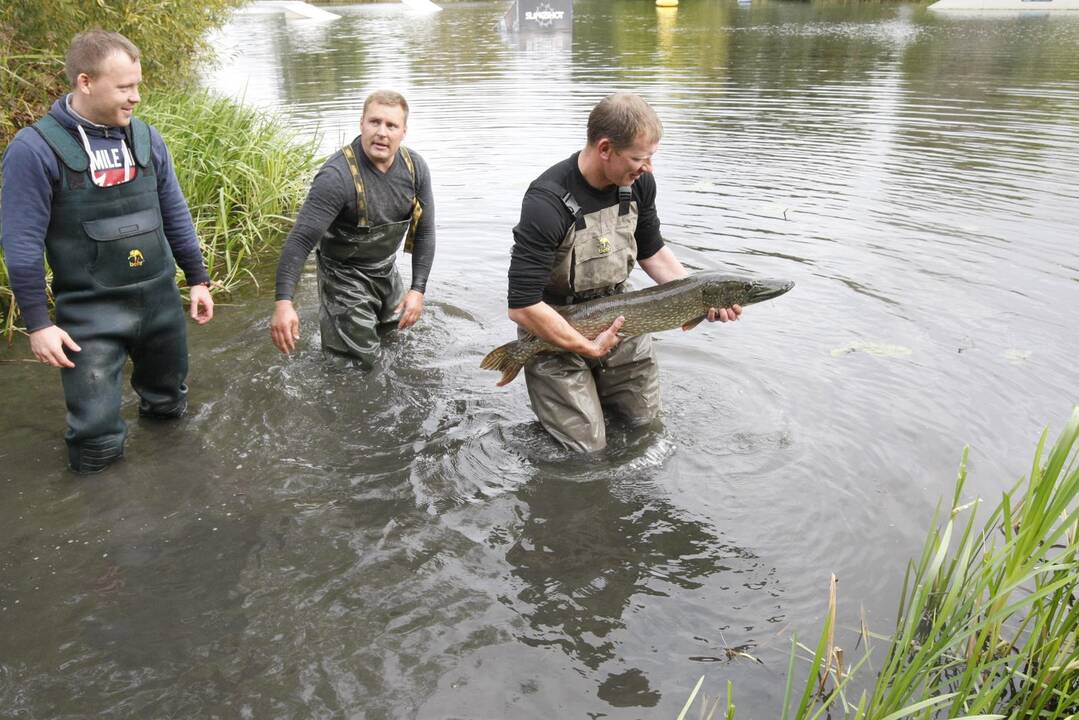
(988,618)
(244,176)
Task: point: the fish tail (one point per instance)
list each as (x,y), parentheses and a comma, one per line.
(502,358)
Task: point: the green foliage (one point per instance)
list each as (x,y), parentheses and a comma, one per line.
(34,35)
(989,616)
(243,174)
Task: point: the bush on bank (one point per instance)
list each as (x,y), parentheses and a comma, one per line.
(243,173)
(34,35)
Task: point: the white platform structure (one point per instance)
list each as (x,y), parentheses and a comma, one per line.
(299,9)
(422,5)
(294,8)
(1006,5)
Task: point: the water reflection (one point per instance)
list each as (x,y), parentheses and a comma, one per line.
(589,555)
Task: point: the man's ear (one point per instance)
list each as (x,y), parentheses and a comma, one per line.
(82,83)
(605,148)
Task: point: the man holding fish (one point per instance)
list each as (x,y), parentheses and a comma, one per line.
(584,223)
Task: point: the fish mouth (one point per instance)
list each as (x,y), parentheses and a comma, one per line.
(767,289)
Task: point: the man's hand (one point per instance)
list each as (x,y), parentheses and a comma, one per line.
(722,314)
(608,339)
(202,305)
(285,326)
(48,346)
(410,308)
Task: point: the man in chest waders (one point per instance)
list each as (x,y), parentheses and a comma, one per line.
(369,198)
(92,188)
(584,223)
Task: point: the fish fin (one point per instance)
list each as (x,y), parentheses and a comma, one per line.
(501,359)
(508,373)
(693,323)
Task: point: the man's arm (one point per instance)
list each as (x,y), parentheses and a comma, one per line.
(29,170)
(663,266)
(423,249)
(656,259)
(542,227)
(544,322)
(176,216)
(328,196)
(179,231)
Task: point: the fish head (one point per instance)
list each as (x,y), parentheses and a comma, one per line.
(726,290)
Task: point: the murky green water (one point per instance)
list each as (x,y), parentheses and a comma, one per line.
(312,542)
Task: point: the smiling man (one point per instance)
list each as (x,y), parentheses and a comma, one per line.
(584,223)
(370,198)
(92,188)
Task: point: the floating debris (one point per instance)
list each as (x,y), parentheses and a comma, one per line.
(875,349)
(1015,356)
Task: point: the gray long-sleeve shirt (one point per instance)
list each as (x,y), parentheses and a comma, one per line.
(389,199)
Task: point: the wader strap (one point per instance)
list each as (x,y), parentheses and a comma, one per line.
(552,299)
(138,139)
(361,196)
(70,152)
(567,199)
(417,208)
(625,194)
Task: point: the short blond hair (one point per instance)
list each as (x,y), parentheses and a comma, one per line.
(90,49)
(622,118)
(386,97)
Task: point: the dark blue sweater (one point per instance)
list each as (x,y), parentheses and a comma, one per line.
(31,173)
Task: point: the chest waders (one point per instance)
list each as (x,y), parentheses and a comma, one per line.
(113,280)
(359,286)
(569,393)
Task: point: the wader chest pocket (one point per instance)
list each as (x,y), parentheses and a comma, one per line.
(128,248)
(598,264)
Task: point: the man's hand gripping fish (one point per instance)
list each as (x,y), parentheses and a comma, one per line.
(661,307)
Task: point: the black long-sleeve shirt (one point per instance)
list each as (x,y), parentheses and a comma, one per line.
(545,222)
(389,199)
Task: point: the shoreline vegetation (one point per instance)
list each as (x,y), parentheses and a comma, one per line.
(243,173)
(988,620)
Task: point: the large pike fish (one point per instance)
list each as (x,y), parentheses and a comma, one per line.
(662,307)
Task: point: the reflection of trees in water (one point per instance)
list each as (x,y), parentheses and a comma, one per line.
(979,67)
(315,68)
(463,50)
(585,550)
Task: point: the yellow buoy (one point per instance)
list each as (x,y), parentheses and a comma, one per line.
(666,3)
